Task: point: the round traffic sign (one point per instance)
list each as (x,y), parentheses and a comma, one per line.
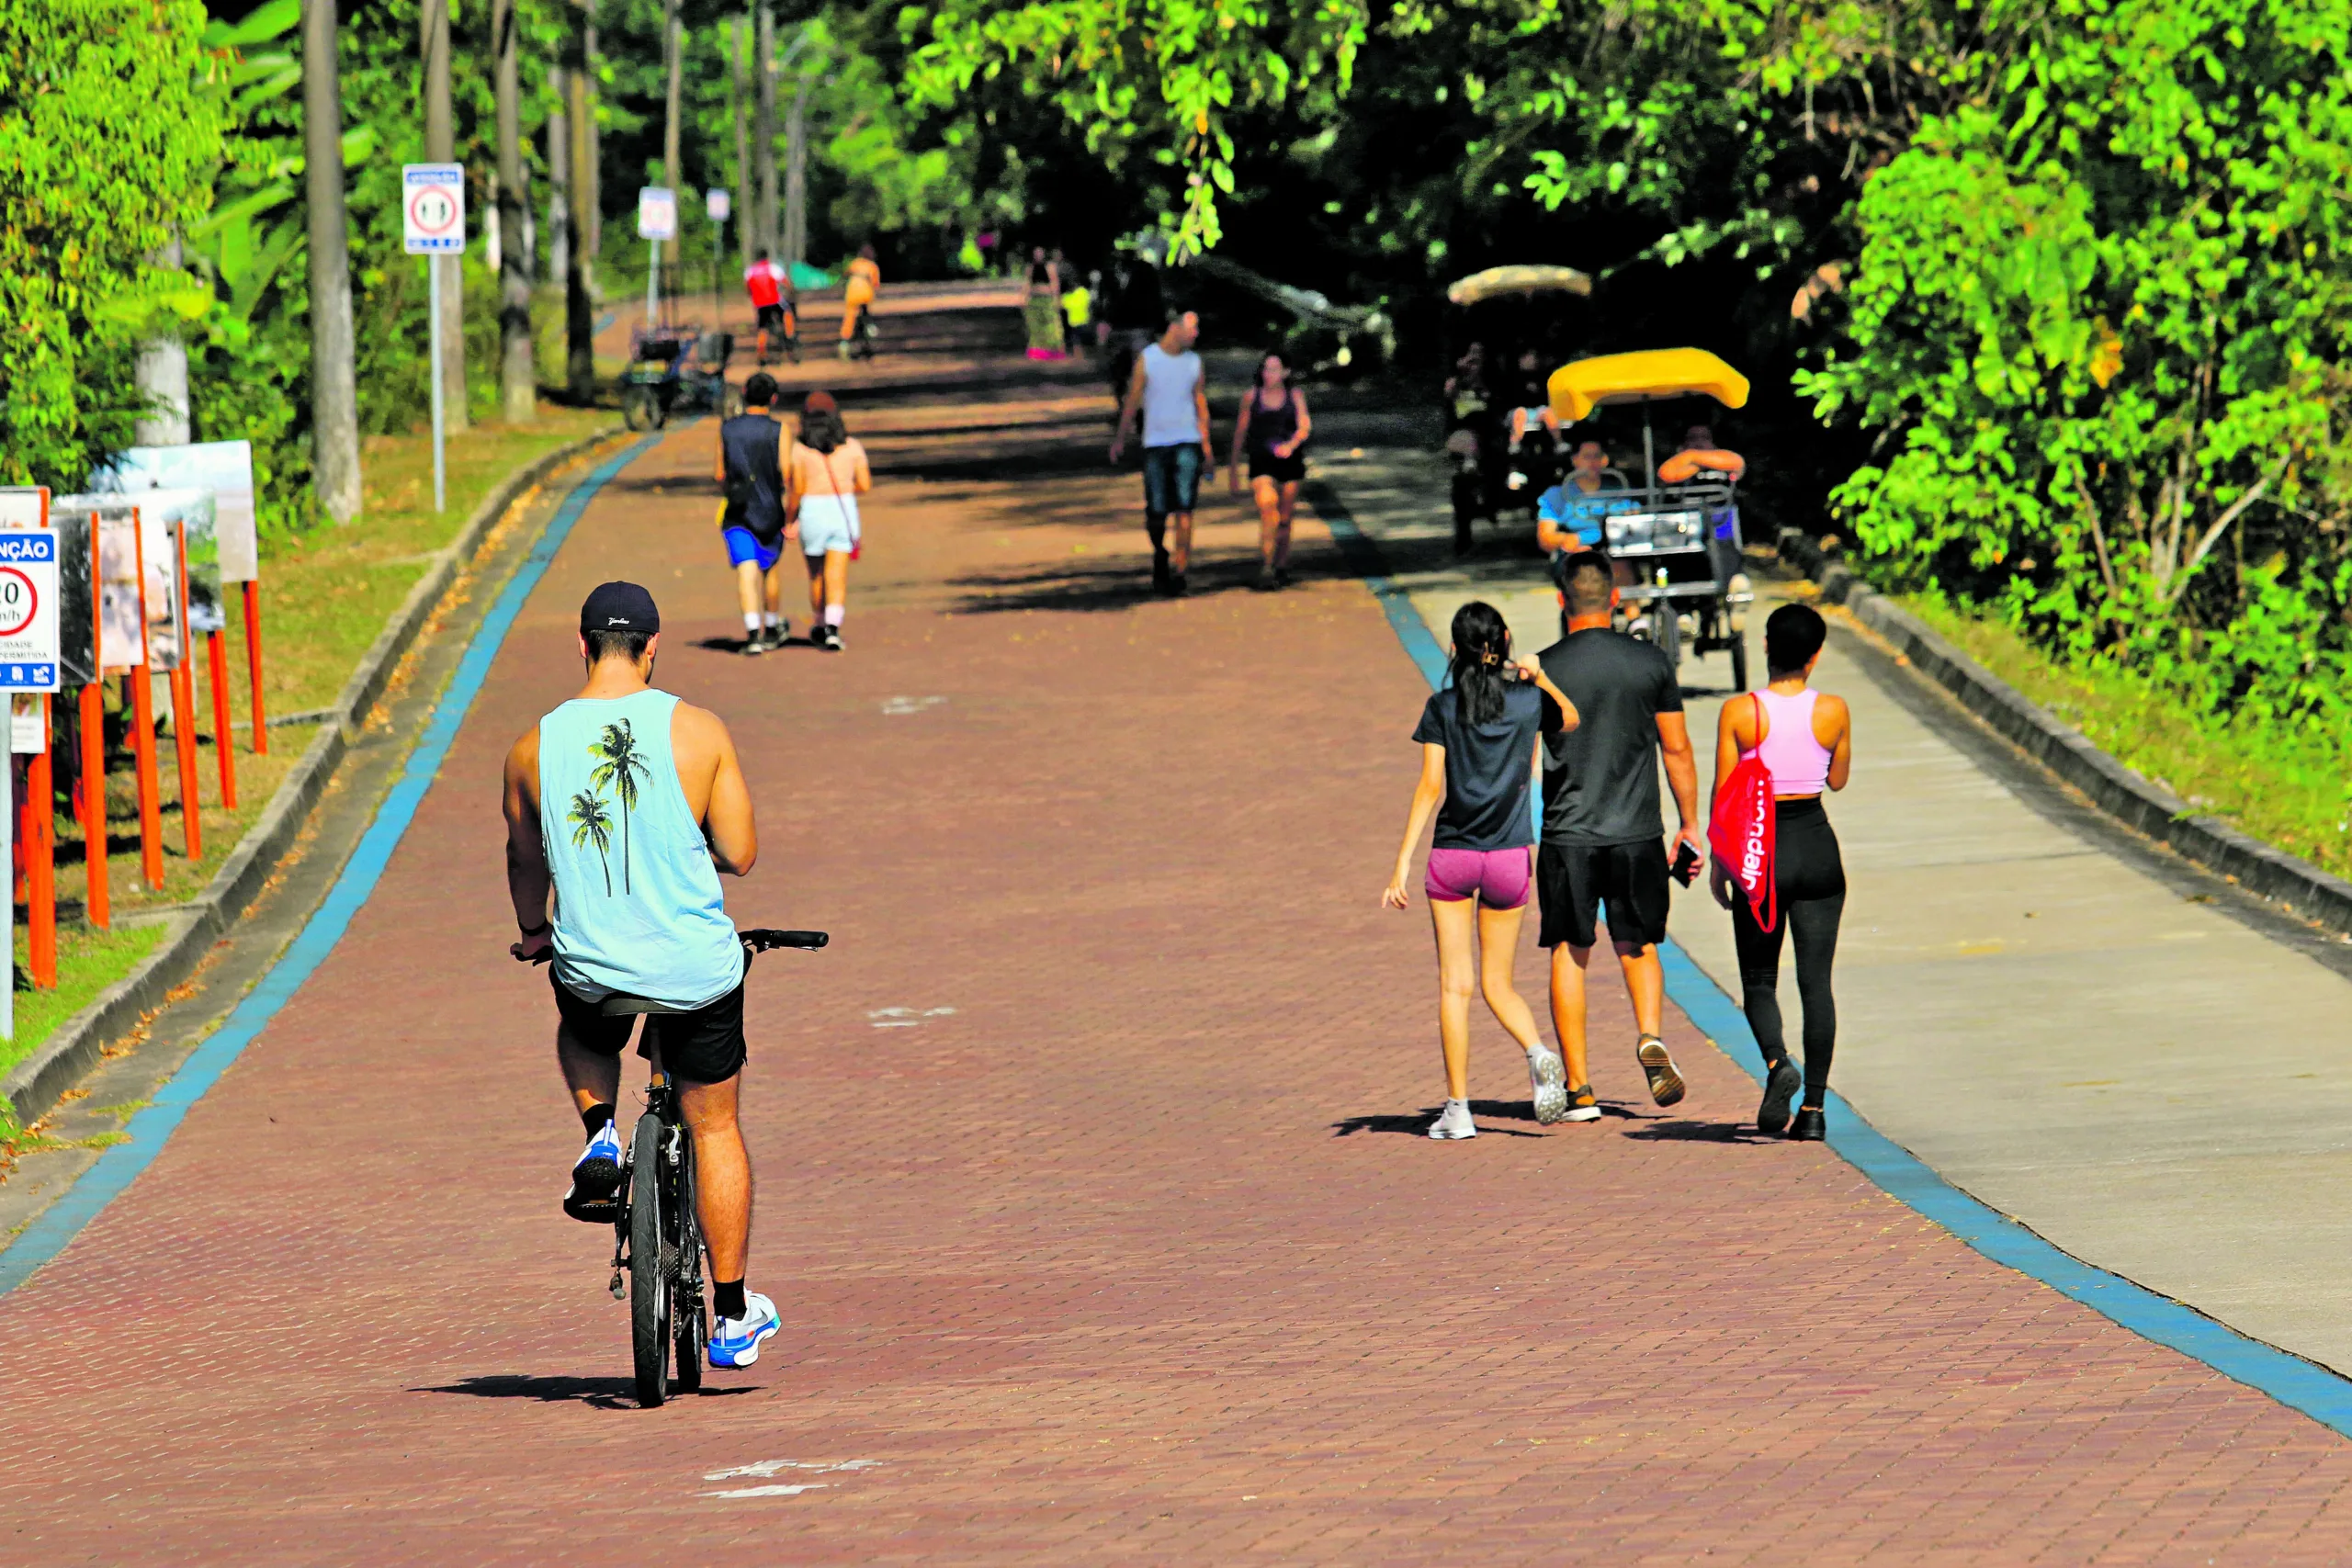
(432,211)
(19,602)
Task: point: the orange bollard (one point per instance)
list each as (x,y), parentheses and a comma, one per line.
(216,660)
(40,859)
(94,906)
(151,786)
(184,752)
(253,666)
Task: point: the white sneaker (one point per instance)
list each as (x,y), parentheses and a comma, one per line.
(1455,1121)
(1547,1084)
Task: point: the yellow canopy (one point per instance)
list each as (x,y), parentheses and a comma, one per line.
(1498,281)
(1577,387)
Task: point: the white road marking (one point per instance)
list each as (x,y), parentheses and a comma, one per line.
(768,1467)
(897,707)
(906,1017)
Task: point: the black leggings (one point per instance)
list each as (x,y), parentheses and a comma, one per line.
(1810,881)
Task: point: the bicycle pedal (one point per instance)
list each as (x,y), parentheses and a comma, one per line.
(618,1287)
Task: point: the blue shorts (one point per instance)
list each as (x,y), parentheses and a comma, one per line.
(743,545)
(1171,478)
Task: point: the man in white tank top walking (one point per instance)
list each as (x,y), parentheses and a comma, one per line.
(625,803)
(1171,389)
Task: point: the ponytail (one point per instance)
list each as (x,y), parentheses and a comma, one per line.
(1481,656)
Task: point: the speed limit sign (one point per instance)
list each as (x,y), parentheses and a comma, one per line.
(433,209)
(28,610)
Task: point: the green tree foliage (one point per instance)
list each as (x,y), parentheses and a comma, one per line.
(106,148)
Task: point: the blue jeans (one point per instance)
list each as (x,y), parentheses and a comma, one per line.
(1172,479)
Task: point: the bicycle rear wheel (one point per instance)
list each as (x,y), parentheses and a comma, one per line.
(686,1300)
(648,1279)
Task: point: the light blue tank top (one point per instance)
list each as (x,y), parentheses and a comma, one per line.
(638,908)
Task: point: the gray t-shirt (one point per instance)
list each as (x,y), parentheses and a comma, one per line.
(1600,778)
(1169,380)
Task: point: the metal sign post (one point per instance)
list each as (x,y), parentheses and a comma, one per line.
(719,204)
(657,221)
(433,221)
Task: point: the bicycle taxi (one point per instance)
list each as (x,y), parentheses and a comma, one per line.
(1678,531)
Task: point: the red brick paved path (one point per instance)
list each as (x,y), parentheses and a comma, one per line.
(1130,1256)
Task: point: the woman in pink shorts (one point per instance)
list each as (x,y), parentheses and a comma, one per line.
(1477,737)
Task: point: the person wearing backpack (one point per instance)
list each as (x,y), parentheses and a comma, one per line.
(1478,736)
(1776,863)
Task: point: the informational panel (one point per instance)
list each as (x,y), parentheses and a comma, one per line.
(28,610)
(657,213)
(74,518)
(224,467)
(718,204)
(194,513)
(158,552)
(433,209)
(122,632)
(24,506)
(28,725)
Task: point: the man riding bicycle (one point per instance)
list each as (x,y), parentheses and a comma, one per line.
(626,803)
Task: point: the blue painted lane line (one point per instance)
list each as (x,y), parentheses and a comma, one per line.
(150,1129)
(2287,1377)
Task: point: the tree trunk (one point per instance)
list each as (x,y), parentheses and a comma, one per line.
(161,377)
(593,167)
(441,147)
(739,45)
(674,45)
(579,322)
(559,156)
(764,127)
(334,392)
(517,377)
(796,176)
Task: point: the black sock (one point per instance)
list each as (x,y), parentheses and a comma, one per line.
(727,1298)
(594,1118)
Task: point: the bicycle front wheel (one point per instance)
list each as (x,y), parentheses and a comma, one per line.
(686,1300)
(648,1279)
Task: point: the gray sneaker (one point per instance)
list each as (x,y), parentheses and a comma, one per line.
(1455,1121)
(1547,1083)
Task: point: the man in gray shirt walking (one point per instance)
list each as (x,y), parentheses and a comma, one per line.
(1171,390)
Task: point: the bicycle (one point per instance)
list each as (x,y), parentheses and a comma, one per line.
(657,1238)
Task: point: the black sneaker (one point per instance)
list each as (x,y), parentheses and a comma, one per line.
(1175,585)
(756,644)
(1159,571)
(1266,582)
(1810,1127)
(1657,1064)
(1282,577)
(833,643)
(1780,1086)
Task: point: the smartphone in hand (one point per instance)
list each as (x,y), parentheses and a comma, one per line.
(1686,864)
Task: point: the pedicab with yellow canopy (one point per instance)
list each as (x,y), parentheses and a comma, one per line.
(1678,531)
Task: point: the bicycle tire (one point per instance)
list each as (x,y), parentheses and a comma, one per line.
(693,1322)
(1738,661)
(649,1284)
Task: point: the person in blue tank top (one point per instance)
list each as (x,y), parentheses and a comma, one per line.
(623,807)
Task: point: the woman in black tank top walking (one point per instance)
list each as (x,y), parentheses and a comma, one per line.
(1273,431)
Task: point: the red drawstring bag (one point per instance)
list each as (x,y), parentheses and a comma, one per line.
(1743,829)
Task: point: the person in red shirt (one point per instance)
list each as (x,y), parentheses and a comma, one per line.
(770,287)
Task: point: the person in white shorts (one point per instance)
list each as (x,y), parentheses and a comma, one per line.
(829,473)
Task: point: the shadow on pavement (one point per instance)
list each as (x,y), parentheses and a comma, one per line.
(1704,1132)
(605,1394)
(1417,1122)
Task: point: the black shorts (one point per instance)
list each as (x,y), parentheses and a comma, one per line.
(772,318)
(702,1046)
(1573,880)
(1287,470)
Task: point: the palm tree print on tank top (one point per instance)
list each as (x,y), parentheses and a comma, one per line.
(620,765)
(592,824)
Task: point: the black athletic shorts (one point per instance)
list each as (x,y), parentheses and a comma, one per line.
(702,1046)
(1282,470)
(1573,880)
(772,318)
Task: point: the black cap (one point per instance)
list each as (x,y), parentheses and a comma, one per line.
(619,608)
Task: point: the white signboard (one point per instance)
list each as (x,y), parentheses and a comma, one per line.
(224,467)
(719,204)
(28,732)
(24,506)
(657,213)
(28,610)
(433,209)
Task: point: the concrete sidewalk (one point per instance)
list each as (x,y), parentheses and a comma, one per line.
(2115,1048)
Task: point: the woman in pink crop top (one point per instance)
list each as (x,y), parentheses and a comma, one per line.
(1806,739)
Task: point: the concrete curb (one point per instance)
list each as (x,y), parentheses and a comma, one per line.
(2299,887)
(34,1085)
